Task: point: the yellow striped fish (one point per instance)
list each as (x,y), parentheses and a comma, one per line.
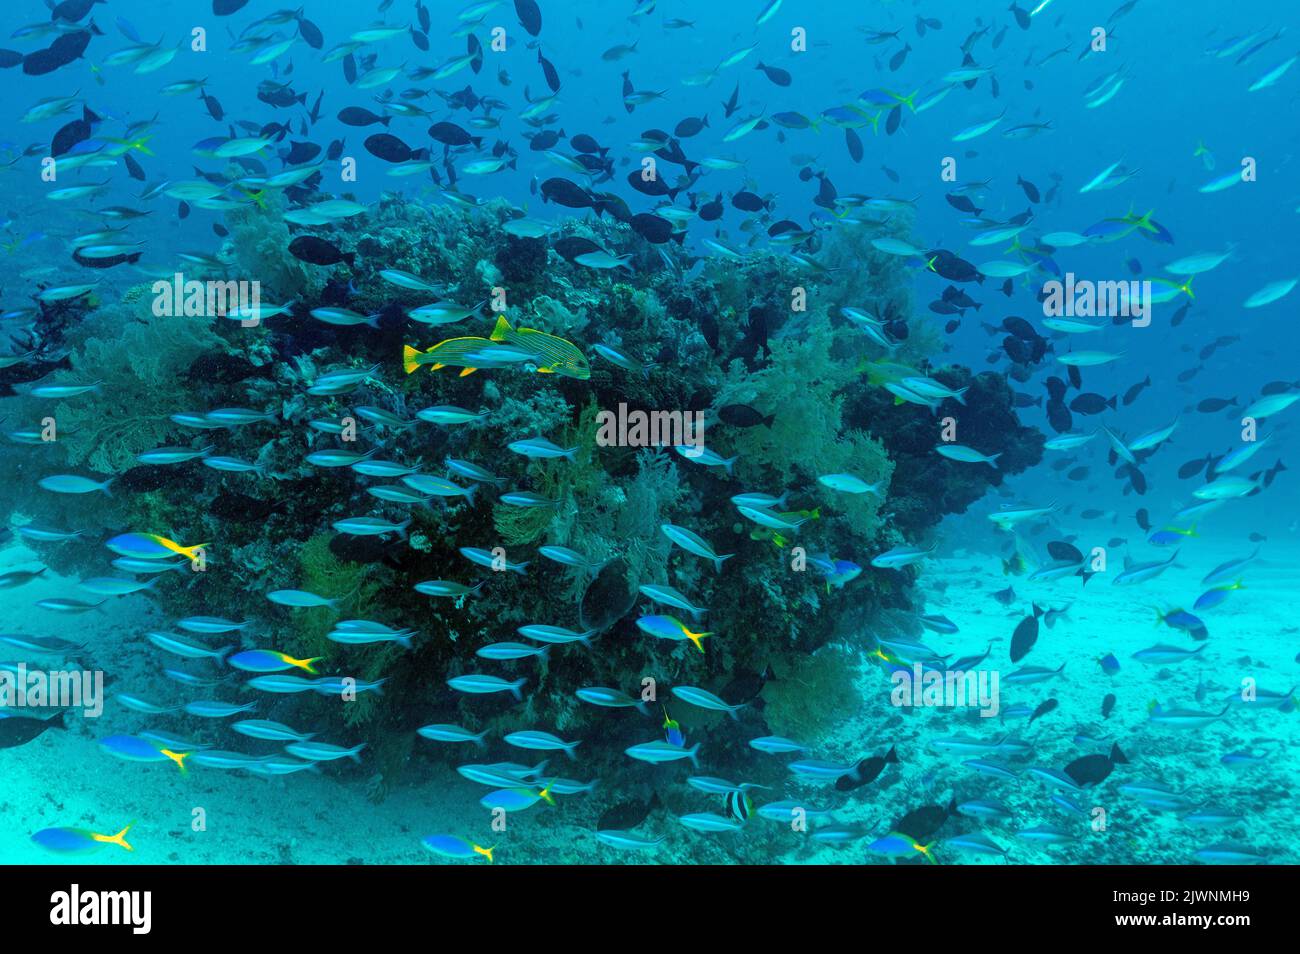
(454,352)
(554,355)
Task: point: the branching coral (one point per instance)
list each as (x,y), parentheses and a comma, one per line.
(258,245)
(326,575)
(812,693)
(808,438)
(143,367)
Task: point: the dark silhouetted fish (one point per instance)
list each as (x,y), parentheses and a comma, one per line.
(1091,403)
(921,823)
(866,771)
(530,16)
(729,107)
(1132,393)
(1025,635)
(388,147)
(742,415)
(652,228)
(568,194)
(1094,769)
(317,251)
(854,143)
(66,48)
(1211,405)
(360,116)
(627,814)
(777,75)
(16,730)
(1043,709)
(1194,467)
(1030,190)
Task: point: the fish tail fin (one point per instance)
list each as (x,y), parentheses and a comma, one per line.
(118,839)
(410,358)
(1117,755)
(486,852)
(697,639)
(179,758)
(191,553)
(717,563)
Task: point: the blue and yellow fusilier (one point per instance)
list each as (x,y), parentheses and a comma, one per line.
(669,627)
(450,846)
(131,748)
(151,546)
(270,660)
(78,841)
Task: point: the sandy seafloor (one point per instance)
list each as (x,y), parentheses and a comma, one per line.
(62,778)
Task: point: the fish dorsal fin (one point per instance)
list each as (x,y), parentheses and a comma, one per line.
(502,329)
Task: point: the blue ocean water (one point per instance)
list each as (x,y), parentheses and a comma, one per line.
(830,230)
